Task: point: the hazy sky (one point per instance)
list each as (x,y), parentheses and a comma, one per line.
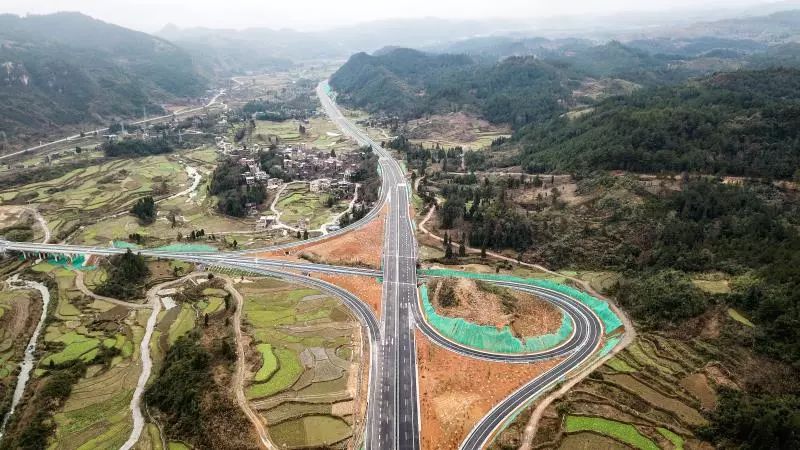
(151,15)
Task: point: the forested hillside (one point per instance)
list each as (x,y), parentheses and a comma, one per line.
(67,68)
(739,123)
(409,84)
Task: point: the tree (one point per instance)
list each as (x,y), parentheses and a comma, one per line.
(173,219)
(145,210)
(305,234)
(205,320)
(298,234)
(333,153)
(462,250)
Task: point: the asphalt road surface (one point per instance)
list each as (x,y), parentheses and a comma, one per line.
(393,407)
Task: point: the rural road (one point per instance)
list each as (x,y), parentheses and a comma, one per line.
(147,362)
(241,368)
(103,130)
(393,418)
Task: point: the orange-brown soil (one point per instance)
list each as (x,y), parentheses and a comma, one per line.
(456,392)
(529,315)
(367,289)
(362,247)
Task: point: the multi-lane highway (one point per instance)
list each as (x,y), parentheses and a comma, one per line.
(393,418)
(398,423)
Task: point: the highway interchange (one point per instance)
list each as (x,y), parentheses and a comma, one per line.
(393,412)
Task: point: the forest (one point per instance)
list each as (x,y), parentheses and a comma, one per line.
(706,226)
(126,276)
(233,194)
(408,83)
(136,147)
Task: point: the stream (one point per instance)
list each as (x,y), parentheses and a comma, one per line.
(28,360)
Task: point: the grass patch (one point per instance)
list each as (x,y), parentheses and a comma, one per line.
(182,325)
(289,370)
(713,286)
(269,365)
(310,431)
(77,345)
(676,440)
(737,316)
(623,432)
(620,365)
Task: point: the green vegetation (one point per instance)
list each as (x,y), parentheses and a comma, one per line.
(269,364)
(696,127)
(311,431)
(755,421)
(298,202)
(737,316)
(305,340)
(54,389)
(621,431)
(692,226)
(126,275)
(232,191)
(77,346)
(178,389)
(675,439)
(666,297)
(288,371)
(134,148)
(68,68)
(182,325)
(517,91)
(145,210)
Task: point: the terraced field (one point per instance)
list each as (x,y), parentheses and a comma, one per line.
(193,211)
(96,191)
(96,414)
(305,382)
(298,202)
(19,310)
(652,395)
(320,133)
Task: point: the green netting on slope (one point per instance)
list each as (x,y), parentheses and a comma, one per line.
(77,262)
(186,248)
(489,338)
(610,320)
(123,244)
(610,344)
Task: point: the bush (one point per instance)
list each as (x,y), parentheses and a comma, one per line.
(662,298)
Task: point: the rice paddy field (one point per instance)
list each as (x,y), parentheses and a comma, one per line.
(298,202)
(320,133)
(194,211)
(308,347)
(652,395)
(96,191)
(96,414)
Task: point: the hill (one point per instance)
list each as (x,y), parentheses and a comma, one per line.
(738,123)
(408,84)
(68,69)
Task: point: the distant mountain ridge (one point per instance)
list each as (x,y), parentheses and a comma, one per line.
(68,68)
(408,83)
